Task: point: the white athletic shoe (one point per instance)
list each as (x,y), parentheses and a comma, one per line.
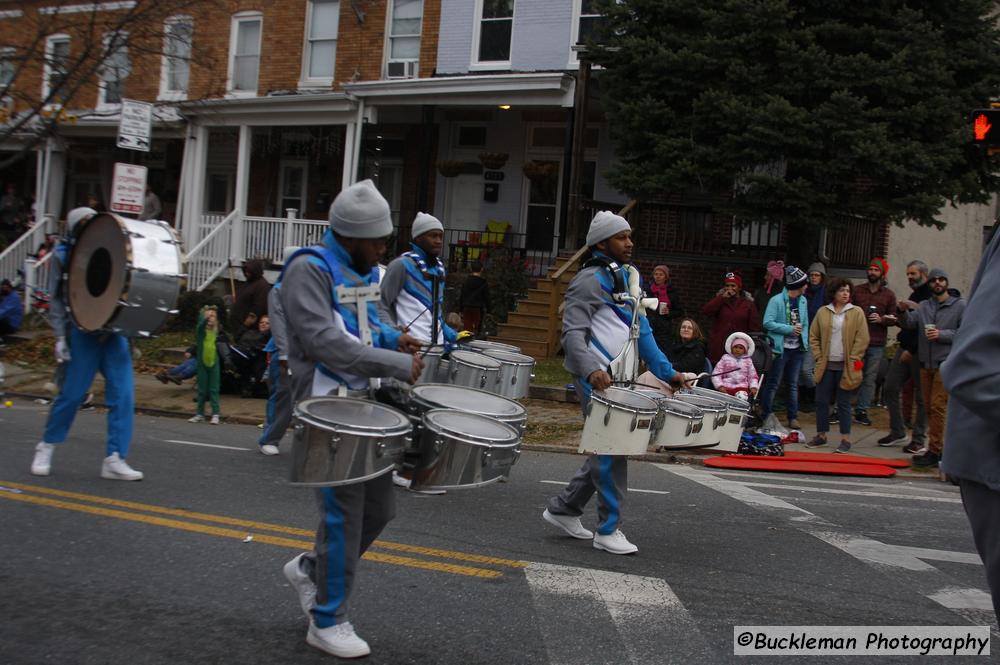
(215,419)
(268,449)
(400,481)
(570,525)
(196,419)
(42,464)
(302,584)
(616,543)
(339,640)
(115,468)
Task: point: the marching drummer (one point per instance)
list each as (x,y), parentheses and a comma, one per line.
(324,288)
(596,333)
(413,286)
(83,354)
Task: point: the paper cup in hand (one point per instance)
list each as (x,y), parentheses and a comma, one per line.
(929,327)
(663,309)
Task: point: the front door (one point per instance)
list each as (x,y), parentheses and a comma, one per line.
(542,206)
(292,187)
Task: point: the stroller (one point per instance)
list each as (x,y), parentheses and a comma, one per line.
(762,359)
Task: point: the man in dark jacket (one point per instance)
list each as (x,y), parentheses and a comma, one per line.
(905,367)
(252,294)
(731,310)
(969,375)
(474,299)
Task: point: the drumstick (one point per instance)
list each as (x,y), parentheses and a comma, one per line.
(407,326)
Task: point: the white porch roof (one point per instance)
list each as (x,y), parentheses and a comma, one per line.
(334,108)
(518,89)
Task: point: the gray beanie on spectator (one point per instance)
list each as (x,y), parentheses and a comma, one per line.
(794,278)
(423,223)
(360,212)
(936,272)
(605,225)
(817,267)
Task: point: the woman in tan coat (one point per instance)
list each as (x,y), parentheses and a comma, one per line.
(838,338)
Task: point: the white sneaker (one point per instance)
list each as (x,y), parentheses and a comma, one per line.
(400,481)
(115,468)
(302,584)
(196,419)
(616,543)
(268,449)
(42,464)
(570,525)
(215,419)
(339,640)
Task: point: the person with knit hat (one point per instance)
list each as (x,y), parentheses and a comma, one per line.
(322,291)
(878,303)
(774,279)
(786,321)
(732,310)
(413,285)
(596,333)
(667,309)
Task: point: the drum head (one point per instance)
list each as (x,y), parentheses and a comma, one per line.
(469,427)
(509,357)
(680,408)
(731,400)
(627,398)
(703,403)
(469,400)
(98,271)
(355,415)
(475,359)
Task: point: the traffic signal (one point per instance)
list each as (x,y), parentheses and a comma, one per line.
(986,127)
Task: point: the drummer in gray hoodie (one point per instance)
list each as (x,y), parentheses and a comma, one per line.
(970,375)
(594,332)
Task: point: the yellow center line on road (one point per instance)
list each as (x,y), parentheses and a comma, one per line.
(251,524)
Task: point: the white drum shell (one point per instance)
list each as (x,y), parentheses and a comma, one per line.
(715,418)
(516,372)
(618,422)
(678,424)
(738,413)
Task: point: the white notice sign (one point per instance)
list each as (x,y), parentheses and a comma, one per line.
(134,129)
(128,188)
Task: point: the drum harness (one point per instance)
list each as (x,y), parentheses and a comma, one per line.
(434,307)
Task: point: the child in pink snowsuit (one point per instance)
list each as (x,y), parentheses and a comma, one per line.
(735,373)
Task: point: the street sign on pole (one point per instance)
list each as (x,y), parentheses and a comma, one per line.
(128,188)
(135,127)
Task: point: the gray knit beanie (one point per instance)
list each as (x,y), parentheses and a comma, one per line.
(605,225)
(360,212)
(936,272)
(817,267)
(423,223)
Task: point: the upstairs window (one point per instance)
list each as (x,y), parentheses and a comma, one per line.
(405,19)
(244,53)
(7,67)
(56,62)
(320,55)
(496,22)
(114,70)
(588,21)
(176,74)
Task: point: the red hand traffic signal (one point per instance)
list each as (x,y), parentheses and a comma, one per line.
(986,127)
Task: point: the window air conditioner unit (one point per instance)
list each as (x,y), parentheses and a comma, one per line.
(401,69)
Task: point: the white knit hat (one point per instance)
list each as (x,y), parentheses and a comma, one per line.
(423,223)
(605,225)
(77,215)
(361,212)
(743,339)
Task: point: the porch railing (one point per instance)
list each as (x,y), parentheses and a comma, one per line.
(267,237)
(210,257)
(12,259)
(37,277)
(462,247)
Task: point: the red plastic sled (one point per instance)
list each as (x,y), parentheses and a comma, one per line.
(757,463)
(800,456)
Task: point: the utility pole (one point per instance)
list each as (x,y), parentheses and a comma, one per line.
(576,150)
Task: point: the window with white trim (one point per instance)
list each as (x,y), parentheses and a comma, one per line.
(319,57)
(587,22)
(56,62)
(114,69)
(493,34)
(405,20)
(175,74)
(7,67)
(244,53)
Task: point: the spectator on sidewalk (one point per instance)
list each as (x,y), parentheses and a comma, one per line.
(816,297)
(249,356)
(786,321)
(735,373)
(668,304)
(207,339)
(151,206)
(185,370)
(688,352)
(936,320)
(878,303)
(731,310)
(251,296)
(474,300)
(972,457)
(11,309)
(838,338)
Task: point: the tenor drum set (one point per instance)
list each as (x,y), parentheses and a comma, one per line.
(459,427)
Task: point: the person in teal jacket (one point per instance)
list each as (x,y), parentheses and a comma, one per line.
(786,321)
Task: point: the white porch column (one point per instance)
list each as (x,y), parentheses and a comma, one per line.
(193,184)
(56,186)
(348,156)
(241,194)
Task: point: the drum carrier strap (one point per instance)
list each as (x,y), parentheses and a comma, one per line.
(624,368)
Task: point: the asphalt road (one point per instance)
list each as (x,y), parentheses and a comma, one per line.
(185,566)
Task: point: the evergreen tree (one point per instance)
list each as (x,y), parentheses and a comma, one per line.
(803,112)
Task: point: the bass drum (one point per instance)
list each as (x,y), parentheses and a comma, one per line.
(462,450)
(124,275)
(343,440)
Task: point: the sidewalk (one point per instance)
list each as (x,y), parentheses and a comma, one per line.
(553,426)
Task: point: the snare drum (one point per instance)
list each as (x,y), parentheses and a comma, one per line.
(473,370)
(738,411)
(429,396)
(678,424)
(462,450)
(618,422)
(435,367)
(482,344)
(343,440)
(716,414)
(516,372)
(123,275)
